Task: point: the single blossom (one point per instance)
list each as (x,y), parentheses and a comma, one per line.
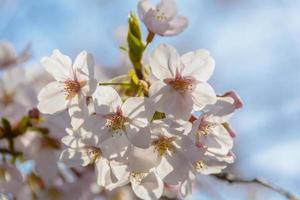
(162,19)
(166,154)
(37,147)
(145,185)
(84,148)
(113,117)
(73,85)
(16,94)
(180,83)
(8,54)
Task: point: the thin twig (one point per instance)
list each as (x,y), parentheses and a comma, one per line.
(230,178)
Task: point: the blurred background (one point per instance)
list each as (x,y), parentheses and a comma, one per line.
(256,45)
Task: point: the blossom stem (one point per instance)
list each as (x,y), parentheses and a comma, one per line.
(230,178)
(150,38)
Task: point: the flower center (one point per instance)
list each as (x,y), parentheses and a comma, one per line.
(7,98)
(137,177)
(205,129)
(163,145)
(116,121)
(72,87)
(93,153)
(181,84)
(200,165)
(160,16)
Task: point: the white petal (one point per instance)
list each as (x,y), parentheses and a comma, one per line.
(139,108)
(151,187)
(202,95)
(171,102)
(52,99)
(176,26)
(198,64)
(103,172)
(143,7)
(74,158)
(78,113)
(58,65)
(84,66)
(164,61)
(106,100)
(115,147)
(142,160)
(138,136)
(164,168)
(46,165)
(222,110)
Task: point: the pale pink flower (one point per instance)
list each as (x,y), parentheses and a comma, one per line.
(73,85)
(113,117)
(162,19)
(8,53)
(181,84)
(84,148)
(166,154)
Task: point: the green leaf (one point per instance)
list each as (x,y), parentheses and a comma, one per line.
(158,115)
(6,126)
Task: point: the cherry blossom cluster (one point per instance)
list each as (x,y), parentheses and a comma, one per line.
(153,129)
(166,137)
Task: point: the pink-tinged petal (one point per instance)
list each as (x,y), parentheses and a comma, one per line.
(238,103)
(221,111)
(58,65)
(229,129)
(164,61)
(143,7)
(151,187)
(202,95)
(52,99)
(106,100)
(171,102)
(138,107)
(176,26)
(198,64)
(78,113)
(84,66)
(168,8)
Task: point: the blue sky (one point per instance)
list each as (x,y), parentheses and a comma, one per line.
(255,43)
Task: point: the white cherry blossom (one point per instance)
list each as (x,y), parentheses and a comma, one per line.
(84,149)
(181,82)
(16,94)
(73,85)
(162,19)
(113,117)
(8,53)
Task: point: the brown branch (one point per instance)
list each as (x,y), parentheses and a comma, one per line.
(230,178)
